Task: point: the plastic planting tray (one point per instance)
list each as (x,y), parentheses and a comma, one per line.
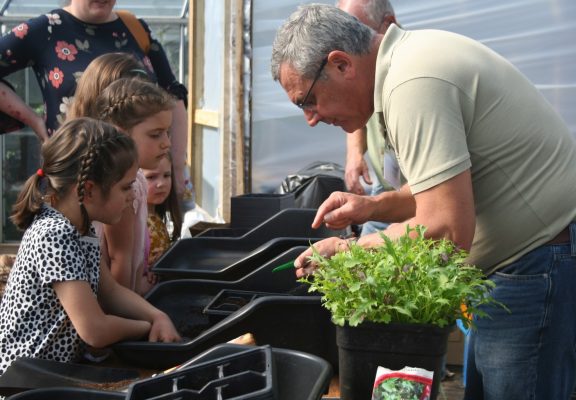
(247,374)
(229,301)
(33,373)
(248,210)
(221,259)
(67,393)
(298,375)
(291,222)
(278,320)
(295,375)
(292,322)
(230,258)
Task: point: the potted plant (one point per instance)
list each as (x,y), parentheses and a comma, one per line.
(395,305)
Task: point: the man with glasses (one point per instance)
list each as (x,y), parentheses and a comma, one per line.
(489,165)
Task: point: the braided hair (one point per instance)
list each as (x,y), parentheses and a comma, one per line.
(82,149)
(102,71)
(127,102)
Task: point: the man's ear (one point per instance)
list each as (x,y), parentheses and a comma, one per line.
(343,63)
(386,22)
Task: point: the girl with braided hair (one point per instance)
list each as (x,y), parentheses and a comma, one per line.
(58,297)
(143,111)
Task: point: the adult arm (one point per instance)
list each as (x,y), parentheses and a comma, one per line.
(446,210)
(356,166)
(12,105)
(341,209)
(19,49)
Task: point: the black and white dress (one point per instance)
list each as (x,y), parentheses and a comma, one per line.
(33,323)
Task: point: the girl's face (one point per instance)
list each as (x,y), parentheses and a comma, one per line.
(108,209)
(159,182)
(152,140)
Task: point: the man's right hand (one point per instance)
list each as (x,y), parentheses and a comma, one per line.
(356,167)
(341,209)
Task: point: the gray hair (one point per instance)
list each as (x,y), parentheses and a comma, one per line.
(375,10)
(313,31)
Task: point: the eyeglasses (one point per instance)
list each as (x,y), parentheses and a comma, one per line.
(302,104)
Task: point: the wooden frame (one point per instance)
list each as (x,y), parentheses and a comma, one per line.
(229,119)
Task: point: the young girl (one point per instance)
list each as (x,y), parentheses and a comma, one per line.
(144,112)
(162,204)
(57,294)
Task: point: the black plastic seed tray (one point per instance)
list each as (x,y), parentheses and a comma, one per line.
(33,373)
(299,375)
(248,374)
(229,301)
(250,209)
(67,393)
(219,258)
(290,222)
(230,258)
(297,321)
(291,322)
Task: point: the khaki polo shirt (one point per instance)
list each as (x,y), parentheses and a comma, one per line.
(451,104)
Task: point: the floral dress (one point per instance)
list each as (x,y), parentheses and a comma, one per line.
(59,46)
(33,322)
(159,238)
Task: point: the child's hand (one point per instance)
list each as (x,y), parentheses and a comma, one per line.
(152,278)
(163,330)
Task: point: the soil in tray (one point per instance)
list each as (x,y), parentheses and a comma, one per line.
(111,386)
(192,324)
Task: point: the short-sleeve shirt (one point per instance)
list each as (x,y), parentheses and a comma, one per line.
(450,104)
(33,322)
(59,47)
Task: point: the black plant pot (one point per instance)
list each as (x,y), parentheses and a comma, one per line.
(363,348)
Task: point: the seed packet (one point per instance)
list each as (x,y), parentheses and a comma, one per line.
(406,384)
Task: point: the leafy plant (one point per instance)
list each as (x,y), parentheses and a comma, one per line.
(408,280)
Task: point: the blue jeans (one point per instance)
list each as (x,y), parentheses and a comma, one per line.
(369,227)
(528,354)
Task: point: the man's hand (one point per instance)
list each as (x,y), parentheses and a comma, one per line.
(341,209)
(356,167)
(327,248)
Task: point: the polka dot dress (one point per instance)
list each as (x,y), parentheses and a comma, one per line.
(33,323)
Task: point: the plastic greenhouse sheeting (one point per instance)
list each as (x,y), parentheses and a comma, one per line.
(535,35)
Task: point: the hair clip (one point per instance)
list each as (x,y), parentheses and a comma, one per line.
(140,71)
(40,173)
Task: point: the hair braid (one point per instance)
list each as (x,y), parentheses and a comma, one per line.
(127,102)
(82,149)
(87,162)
